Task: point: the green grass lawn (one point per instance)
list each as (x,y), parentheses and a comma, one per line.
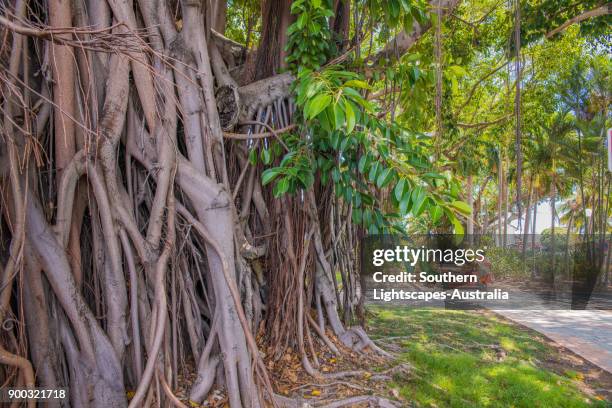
(468,359)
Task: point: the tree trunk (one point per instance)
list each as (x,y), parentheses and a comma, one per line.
(276,17)
(567,245)
(470,201)
(506,194)
(500,199)
(527,220)
(553,195)
(533,236)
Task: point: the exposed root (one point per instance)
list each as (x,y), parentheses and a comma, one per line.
(353,401)
(331,384)
(357,339)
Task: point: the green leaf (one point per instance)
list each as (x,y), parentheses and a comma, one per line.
(253,157)
(379,217)
(454,85)
(363,161)
(457,225)
(367,217)
(336,175)
(436,213)
(350,117)
(301,21)
(266,157)
(281,187)
(306,178)
(384,178)
(405,203)
(345,143)
(326,118)
(373,172)
(356,83)
(435,176)
(367,199)
(352,93)
(413,75)
(317,104)
(357,199)
(338,189)
(399,189)
(287,159)
(324,177)
(418,199)
(348,193)
(462,207)
(356,216)
(457,70)
(276,148)
(338,115)
(269,175)
(335,140)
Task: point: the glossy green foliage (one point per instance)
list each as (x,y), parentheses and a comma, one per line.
(541,17)
(309,36)
(395,14)
(344,143)
(383,170)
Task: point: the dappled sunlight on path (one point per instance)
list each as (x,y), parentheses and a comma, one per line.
(587,333)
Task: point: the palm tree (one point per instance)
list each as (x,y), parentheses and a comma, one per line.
(567,214)
(547,154)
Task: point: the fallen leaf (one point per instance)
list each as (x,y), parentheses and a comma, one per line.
(291,376)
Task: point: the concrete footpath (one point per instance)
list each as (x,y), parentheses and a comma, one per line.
(587,333)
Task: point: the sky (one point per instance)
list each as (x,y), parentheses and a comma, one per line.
(542,219)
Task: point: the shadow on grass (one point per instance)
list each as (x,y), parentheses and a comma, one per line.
(469,359)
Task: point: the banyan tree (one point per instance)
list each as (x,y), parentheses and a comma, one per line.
(172,197)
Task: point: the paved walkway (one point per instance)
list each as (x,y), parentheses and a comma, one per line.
(587,333)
